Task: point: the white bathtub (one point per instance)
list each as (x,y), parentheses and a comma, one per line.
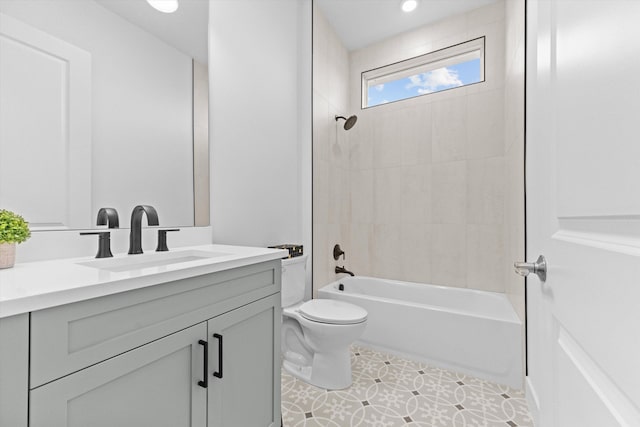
(464,330)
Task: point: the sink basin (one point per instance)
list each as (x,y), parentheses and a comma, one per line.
(154,259)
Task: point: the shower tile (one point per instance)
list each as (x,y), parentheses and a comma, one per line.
(485,257)
(337,233)
(486,15)
(449,193)
(320,126)
(387,256)
(362,186)
(449,255)
(386,152)
(339,203)
(402,392)
(320,257)
(414,134)
(416,194)
(485,191)
(361,142)
(416,253)
(387,195)
(448,131)
(494,56)
(320,191)
(338,71)
(485,130)
(339,152)
(453,26)
(359,256)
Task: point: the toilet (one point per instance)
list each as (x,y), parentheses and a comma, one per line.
(316,334)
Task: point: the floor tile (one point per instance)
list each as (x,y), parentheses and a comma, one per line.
(389,391)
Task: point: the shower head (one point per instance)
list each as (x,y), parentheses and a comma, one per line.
(349,122)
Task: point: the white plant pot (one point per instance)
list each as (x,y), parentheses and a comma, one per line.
(7,255)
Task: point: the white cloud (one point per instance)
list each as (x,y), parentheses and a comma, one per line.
(439,79)
(379,87)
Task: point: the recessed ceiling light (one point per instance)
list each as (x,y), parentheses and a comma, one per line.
(409,5)
(166,6)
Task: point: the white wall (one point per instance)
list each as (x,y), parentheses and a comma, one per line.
(260,121)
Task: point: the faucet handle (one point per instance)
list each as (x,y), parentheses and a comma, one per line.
(104,243)
(162,239)
(337,251)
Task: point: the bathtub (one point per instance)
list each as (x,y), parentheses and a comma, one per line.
(473,332)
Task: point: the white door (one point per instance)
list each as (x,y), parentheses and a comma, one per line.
(583,211)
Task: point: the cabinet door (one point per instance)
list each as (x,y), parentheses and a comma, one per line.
(248,392)
(153,385)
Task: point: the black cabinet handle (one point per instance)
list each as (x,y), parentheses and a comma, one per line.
(219,373)
(205,383)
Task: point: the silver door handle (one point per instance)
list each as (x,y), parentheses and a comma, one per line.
(539,268)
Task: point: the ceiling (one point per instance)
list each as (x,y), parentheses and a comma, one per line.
(360,23)
(185,29)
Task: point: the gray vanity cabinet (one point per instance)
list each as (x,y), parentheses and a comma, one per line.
(153,385)
(242,393)
(137,358)
(14,370)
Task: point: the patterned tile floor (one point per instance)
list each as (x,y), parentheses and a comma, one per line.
(388,391)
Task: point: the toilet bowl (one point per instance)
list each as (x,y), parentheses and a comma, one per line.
(316,334)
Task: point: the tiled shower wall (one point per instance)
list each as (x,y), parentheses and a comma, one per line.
(514,227)
(331,214)
(427,174)
(419,189)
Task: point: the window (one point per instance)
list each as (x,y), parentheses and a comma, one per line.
(448,68)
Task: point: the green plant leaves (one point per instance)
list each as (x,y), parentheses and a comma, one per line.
(13,228)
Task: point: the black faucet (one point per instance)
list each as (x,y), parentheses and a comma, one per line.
(135,235)
(343,270)
(104,243)
(108,217)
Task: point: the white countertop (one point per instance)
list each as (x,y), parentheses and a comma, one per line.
(37,285)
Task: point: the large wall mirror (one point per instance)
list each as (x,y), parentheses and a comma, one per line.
(103,103)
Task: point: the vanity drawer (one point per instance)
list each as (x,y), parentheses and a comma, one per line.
(71,337)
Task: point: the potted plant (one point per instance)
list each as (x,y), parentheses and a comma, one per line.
(13,229)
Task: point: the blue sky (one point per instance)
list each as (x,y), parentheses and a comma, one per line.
(443,78)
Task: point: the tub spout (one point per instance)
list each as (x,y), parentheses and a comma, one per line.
(343,270)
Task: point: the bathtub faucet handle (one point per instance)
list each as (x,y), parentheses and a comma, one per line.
(337,252)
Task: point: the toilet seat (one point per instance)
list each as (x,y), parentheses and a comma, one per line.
(332,311)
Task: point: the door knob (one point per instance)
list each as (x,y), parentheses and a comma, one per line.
(538,268)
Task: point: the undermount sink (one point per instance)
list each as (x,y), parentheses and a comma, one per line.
(154,259)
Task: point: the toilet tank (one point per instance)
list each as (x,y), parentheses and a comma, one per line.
(293,280)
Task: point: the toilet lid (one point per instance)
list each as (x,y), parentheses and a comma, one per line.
(332,311)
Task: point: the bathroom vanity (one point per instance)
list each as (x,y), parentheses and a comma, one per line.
(190,338)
